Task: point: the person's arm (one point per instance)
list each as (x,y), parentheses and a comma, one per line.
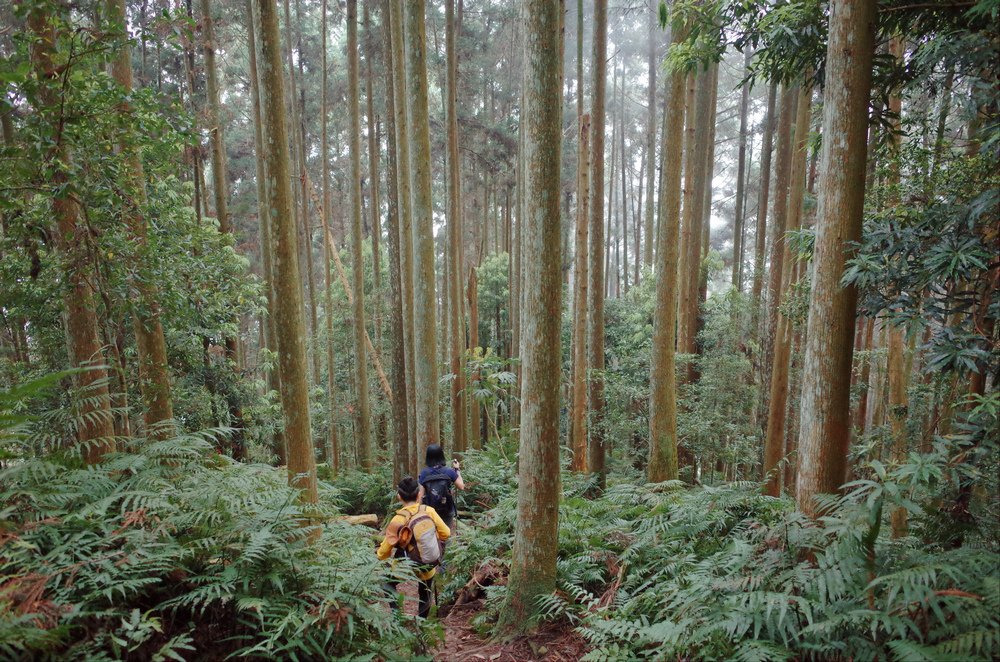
(389,542)
(457,480)
(442,529)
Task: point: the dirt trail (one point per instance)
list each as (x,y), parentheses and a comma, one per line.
(551,643)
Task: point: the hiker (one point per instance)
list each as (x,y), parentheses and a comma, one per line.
(415,532)
(437,479)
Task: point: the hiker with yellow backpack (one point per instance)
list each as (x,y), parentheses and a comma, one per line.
(416,532)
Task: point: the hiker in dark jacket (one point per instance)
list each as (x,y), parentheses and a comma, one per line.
(437,481)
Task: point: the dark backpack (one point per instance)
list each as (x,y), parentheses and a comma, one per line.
(437,492)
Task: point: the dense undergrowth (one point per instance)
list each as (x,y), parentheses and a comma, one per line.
(168,550)
(671,571)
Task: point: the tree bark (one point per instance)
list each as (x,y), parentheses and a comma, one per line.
(266,238)
(662,382)
(95,424)
(424,300)
(455,237)
(595,323)
(151,347)
(578,426)
(760,246)
(647,252)
(288,294)
(333,439)
(741,159)
(825,417)
(774,441)
(533,560)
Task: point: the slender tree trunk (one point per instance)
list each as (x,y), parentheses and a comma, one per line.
(425,327)
(647,255)
(533,560)
(363,441)
(403,181)
(455,236)
(625,198)
(774,441)
(783,169)
(741,177)
(95,424)
(662,383)
(765,188)
(896,362)
(825,411)
(578,427)
(473,294)
(373,176)
(595,321)
(263,217)
(288,295)
(151,347)
(333,439)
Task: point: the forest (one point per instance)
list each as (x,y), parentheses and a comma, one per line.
(699,299)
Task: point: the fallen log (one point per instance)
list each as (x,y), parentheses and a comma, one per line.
(362,520)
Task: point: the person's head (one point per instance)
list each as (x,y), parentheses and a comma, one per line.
(434,456)
(408,490)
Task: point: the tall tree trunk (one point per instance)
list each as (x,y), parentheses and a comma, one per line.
(595,321)
(578,426)
(783,168)
(662,383)
(95,424)
(403,181)
(647,254)
(455,237)
(220,188)
(625,197)
(263,217)
(774,441)
(373,176)
(364,439)
(533,560)
(475,407)
(288,294)
(333,439)
(825,419)
(151,347)
(896,362)
(760,245)
(425,327)
(741,169)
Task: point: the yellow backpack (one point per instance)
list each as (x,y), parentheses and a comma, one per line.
(418,537)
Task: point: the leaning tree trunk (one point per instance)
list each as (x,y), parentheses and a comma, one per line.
(151,347)
(288,295)
(95,424)
(825,413)
(363,440)
(425,378)
(533,560)
(662,382)
(595,323)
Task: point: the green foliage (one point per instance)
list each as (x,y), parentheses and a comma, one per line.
(168,550)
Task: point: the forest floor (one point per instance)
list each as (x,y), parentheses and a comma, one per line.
(553,642)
